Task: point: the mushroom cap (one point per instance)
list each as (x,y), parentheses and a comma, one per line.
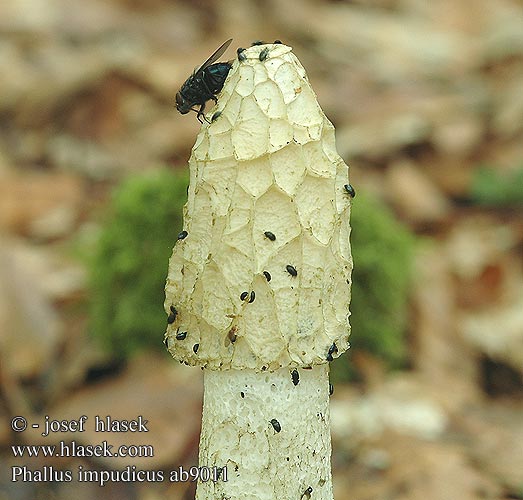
(262,279)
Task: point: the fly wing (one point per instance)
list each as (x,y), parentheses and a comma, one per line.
(217,54)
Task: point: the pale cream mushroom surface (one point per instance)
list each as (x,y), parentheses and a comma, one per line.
(260,284)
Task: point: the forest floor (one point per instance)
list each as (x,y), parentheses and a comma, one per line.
(422,94)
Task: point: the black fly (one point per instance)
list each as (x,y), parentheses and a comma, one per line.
(295,377)
(291,270)
(172,315)
(203,84)
(350,190)
(276,425)
(241,56)
(332,350)
(263,54)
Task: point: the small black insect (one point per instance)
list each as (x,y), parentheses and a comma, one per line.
(182,235)
(291,270)
(277,41)
(181,335)
(263,54)
(195,348)
(232,334)
(295,377)
(257,42)
(172,315)
(242,394)
(306,494)
(203,84)
(241,56)
(331,389)
(350,190)
(332,349)
(244,295)
(252,297)
(215,116)
(267,275)
(269,235)
(276,425)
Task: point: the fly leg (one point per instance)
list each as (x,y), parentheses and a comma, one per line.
(200,114)
(202,107)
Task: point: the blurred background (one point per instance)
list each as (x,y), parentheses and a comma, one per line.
(427,100)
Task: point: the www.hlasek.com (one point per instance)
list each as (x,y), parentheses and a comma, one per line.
(74,449)
(130,474)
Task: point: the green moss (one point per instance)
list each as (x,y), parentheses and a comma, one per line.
(129,264)
(382,251)
(490,187)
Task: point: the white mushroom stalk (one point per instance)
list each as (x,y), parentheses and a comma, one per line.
(258,288)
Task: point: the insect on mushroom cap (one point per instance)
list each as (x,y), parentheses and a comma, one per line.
(203,84)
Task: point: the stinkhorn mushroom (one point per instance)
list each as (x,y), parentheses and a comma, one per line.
(258,288)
